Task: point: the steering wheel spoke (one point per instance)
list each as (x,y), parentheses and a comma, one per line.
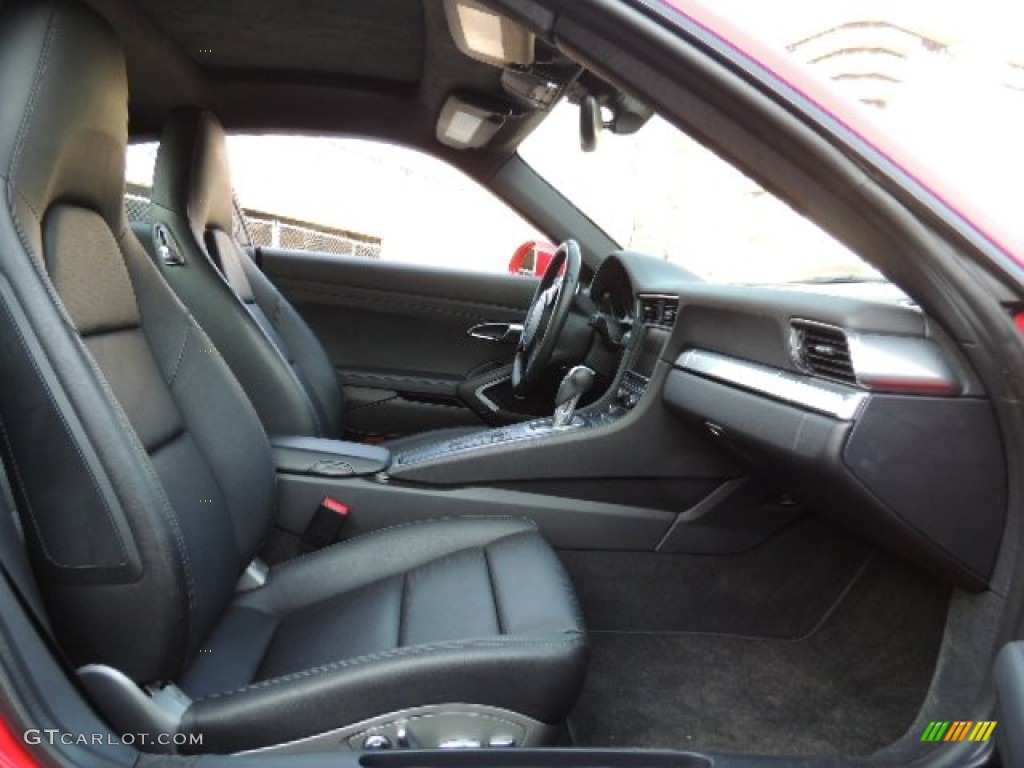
(545,320)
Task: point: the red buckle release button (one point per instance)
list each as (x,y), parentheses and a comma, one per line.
(335,506)
(326,524)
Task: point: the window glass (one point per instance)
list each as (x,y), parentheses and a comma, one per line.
(138,173)
(659,192)
(945,78)
(362,198)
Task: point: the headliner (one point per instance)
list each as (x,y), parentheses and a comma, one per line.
(375,68)
(382,40)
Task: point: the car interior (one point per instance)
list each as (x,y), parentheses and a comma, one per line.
(320,507)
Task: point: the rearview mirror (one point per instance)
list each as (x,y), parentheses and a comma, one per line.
(591,123)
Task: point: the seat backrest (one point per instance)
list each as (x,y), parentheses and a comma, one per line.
(276,357)
(143,473)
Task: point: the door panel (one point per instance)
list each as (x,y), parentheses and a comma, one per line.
(399,336)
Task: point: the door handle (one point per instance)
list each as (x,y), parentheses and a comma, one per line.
(502,332)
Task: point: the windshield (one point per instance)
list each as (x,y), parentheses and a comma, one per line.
(945,79)
(659,192)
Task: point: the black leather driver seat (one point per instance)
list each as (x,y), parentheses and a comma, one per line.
(146,483)
(273,353)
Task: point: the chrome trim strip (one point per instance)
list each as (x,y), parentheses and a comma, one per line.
(498,332)
(900,364)
(888,363)
(830,398)
(423,727)
(488,403)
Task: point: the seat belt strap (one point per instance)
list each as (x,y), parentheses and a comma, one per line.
(326,525)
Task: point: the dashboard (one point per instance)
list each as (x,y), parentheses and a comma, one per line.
(859,405)
(731,411)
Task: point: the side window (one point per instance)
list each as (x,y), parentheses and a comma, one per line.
(370,199)
(356,198)
(139,163)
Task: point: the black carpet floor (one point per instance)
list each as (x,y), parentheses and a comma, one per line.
(848,682)
(780,589)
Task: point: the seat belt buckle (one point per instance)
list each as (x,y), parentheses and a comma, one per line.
(326,525)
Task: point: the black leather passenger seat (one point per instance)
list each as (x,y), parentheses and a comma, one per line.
(146,483)
(273,353)
(442,611)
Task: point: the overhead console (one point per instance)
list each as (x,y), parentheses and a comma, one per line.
(861,407)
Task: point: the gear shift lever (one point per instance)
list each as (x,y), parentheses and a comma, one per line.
(575,384)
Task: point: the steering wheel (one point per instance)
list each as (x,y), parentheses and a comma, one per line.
(546,318)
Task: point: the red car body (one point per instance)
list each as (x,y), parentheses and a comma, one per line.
(532,258)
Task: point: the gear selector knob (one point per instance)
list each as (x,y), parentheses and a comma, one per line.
(577,382)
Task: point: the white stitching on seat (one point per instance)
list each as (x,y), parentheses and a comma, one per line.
(577,638)
(399,526)
(181,356)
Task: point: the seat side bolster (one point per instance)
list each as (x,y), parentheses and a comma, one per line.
(548,671)
(304,348)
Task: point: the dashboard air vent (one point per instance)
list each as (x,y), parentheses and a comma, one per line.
(822,350)
(659,310)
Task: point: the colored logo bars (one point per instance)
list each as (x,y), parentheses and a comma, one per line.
(960,730)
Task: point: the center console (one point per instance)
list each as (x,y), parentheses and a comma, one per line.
(530,430)
(637,377)
(562,476)
(641,359)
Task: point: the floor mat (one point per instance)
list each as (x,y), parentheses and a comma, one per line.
(851,686)
(779,589)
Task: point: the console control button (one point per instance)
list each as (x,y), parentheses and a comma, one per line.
(376,742)
(461,743)
(332,468)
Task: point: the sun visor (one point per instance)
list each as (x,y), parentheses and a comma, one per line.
(466,123)
(486,36)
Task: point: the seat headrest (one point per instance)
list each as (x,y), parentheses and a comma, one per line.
(192,176)
(64,122)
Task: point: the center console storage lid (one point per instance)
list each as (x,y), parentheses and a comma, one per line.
(328,458)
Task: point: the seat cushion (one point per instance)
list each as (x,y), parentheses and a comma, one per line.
(473,611)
